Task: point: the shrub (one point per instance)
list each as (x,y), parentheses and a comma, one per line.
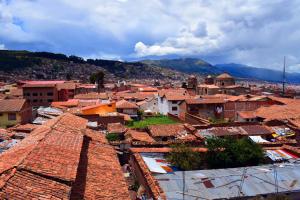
(184,157)
(112,137)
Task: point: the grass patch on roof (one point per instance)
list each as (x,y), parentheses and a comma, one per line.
(152,121)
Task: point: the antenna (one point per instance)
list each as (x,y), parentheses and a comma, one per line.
(283,78)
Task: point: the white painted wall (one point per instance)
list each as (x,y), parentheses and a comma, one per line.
(163,106)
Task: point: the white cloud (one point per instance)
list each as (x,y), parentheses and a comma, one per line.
(2,47)
(253,32)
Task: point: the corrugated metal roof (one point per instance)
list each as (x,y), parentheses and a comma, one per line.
(226,182)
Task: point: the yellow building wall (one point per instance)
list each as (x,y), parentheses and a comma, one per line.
(101,109)
(4,122)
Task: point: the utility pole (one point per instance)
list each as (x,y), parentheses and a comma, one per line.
(183,184)
(283,78)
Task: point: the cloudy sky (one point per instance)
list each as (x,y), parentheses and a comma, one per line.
(255,32)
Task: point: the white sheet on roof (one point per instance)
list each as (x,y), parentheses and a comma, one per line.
(257,139)
(153,165)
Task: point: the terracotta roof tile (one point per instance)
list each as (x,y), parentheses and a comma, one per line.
(116,128)
(92,95)
(179,131)
(279,112)
(25,185)
(133,135)
(11,105)
(59,155)
(247,114)
(205,101)
(123,104)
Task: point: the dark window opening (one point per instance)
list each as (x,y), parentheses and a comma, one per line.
(12,116)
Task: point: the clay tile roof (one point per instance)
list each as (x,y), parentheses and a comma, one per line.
(92,95)
(123,104)
(62,159)
(166,130)
(205,101)
(133,135)
(224,76)
(24,127)
(116,128)
(11,105)
(279,112)
(38,85)
(247,114)
(66,86)
(256,130)
(176,97)
(65,104)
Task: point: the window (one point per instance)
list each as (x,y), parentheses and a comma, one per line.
(50,100)
(50,94)
(41,100)
(35,100)
(12,116)
(34,94)
(174,102)
(27,94)
(174,108)
(41,94)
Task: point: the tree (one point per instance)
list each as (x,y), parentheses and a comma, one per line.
(112,137)
(229,152)
(184,157)
(98,78)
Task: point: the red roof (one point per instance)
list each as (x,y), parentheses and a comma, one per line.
(12,105)
(60,160)
(133,135)
(205,101)
(123,104)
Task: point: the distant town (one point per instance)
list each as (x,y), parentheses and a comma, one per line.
(208,137)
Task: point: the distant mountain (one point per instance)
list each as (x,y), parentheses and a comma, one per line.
(193,65)
(244,71)
(18,65)
(187,65)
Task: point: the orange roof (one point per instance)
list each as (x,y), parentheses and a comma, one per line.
(66,86)
(178,91)
(95,106)
(205,101)
(123,104)
(116,128)
(133,135)
(60,160)
(24,127)
(161,149)
(92,95)
(12,105)
(247,114)
(65,104)
(175,97)
(279,112)
(176,130)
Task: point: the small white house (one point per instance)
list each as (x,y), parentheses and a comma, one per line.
(169,103)
(150,105)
